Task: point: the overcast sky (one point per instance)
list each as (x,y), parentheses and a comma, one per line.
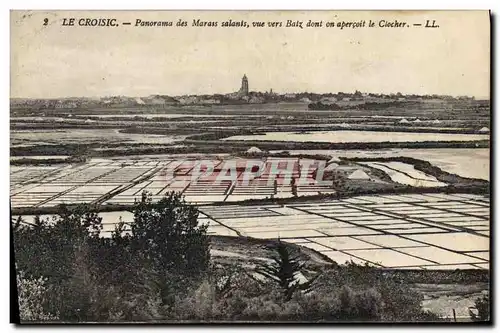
(56,61)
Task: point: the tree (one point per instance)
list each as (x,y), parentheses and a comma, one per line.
(166,235)
(482,305)
(47,248)
(283,271)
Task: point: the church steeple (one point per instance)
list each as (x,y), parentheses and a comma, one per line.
(244,86)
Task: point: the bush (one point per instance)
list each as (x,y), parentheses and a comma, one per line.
(199,305)
(318,306)
(264,307)
(232,307)
(32,294)
(482,305)
(47,248)
(84,297)
(378,294)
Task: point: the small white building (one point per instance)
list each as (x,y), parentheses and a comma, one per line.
(331,166)
(334,159)
(359,175)
(253,150)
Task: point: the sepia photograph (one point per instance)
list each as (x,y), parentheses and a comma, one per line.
(250,166)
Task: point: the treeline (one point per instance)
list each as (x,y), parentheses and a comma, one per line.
(284,154)
(72,149)
(48,161)
(321,106)
(360,106)
(210,143)
(287,145)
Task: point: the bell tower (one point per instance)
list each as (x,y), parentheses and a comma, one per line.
(244,86)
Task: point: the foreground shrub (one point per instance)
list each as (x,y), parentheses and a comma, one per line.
(47,248)
(84,297)
(32,294)
(482,305)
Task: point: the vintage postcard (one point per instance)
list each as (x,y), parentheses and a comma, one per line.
(250,166)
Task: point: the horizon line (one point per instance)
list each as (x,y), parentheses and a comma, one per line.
(277,93)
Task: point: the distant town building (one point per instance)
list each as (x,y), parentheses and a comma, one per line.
(188,99)
(256,100)
(210,101)
(65,105)
(328,100)
(254,150)
(158,100)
